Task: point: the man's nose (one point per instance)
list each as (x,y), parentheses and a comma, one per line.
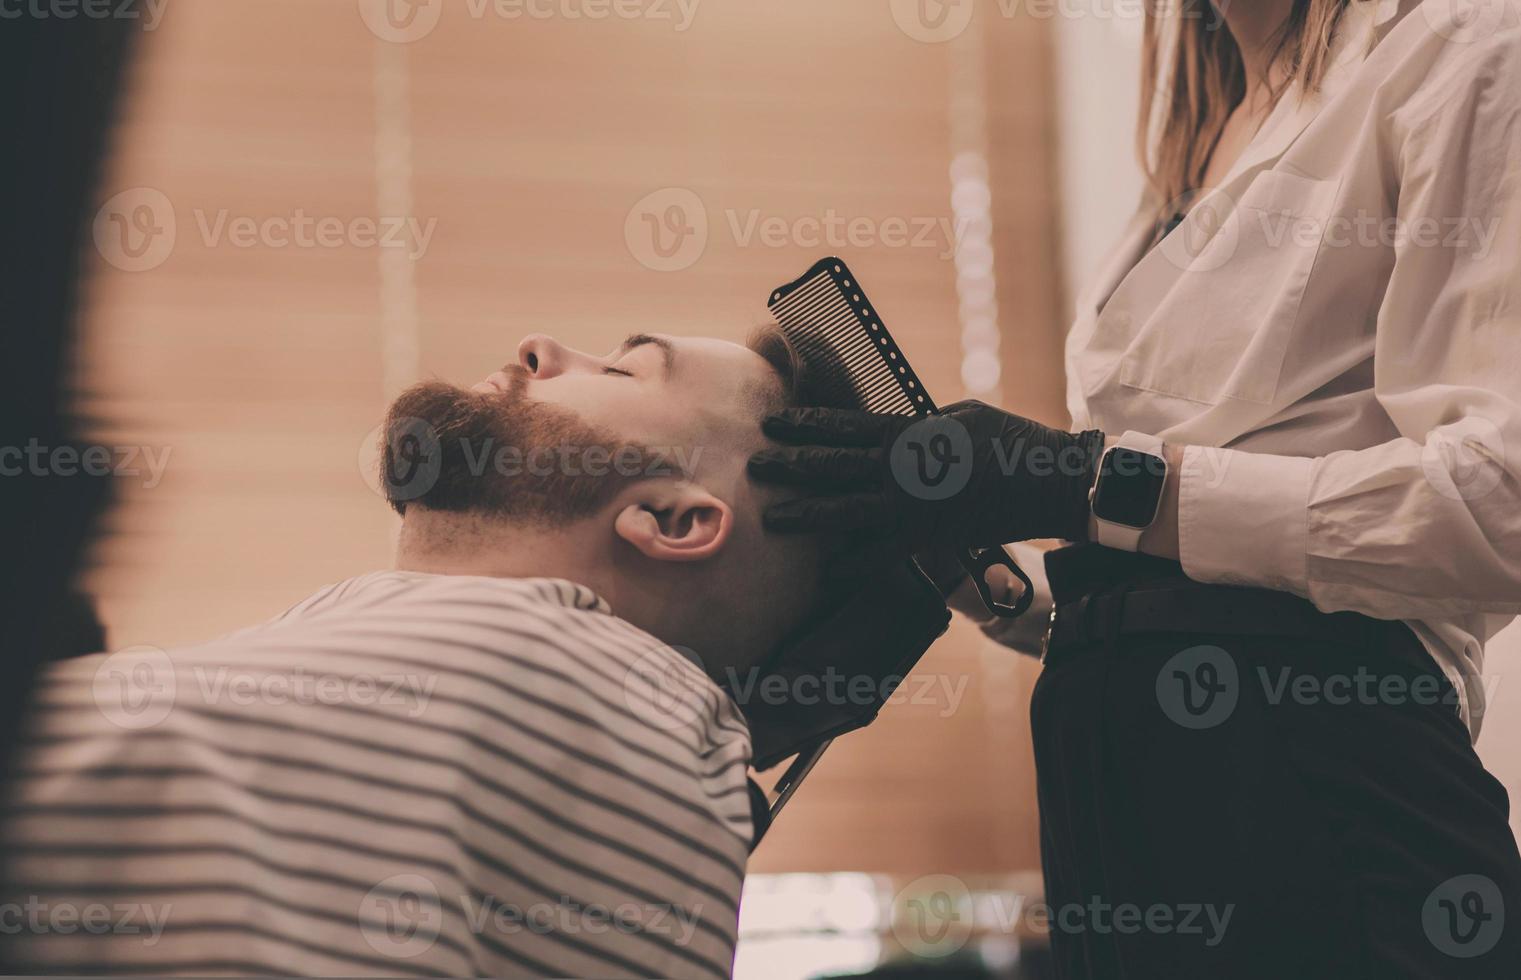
(544,357)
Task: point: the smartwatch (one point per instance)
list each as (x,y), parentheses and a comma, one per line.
(1128,492)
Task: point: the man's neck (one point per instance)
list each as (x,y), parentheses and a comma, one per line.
(446,543)
(684,605)
(443,543)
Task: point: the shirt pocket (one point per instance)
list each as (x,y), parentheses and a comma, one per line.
(1221,330)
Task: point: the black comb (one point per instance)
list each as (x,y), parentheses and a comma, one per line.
(852,358)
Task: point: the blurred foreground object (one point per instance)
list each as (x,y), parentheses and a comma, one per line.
(61,77)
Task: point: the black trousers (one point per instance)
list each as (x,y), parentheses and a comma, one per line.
(1239,805)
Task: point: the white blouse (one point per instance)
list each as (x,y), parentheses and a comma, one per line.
(1335,334)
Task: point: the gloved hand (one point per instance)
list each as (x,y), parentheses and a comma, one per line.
(972,475)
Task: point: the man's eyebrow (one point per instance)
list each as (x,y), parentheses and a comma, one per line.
(667,349)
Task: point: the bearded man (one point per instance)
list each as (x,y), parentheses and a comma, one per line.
(506,756)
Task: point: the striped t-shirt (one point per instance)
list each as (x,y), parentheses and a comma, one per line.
(406,774)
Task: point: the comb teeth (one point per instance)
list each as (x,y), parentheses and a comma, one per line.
(844,347)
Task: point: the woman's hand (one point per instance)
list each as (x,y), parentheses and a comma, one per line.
(971,476)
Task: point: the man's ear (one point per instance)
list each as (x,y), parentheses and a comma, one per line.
(675,521)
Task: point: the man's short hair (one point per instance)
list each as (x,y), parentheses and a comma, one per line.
(802,378)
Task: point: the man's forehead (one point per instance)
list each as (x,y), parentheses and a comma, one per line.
(717,358)
(715,348)
(726,376)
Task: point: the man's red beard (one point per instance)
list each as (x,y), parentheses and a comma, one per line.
(501,454)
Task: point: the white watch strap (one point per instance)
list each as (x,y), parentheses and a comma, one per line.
(1120,536)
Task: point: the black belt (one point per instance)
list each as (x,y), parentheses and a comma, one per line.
(1101,594)
(1220,610)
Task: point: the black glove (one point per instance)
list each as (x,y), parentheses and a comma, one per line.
(972,475)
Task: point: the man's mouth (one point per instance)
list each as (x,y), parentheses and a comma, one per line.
(495,383)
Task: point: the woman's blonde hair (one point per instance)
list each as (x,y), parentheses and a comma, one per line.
(1192,77)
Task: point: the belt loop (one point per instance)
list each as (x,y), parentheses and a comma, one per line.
(1087,608)
(1115,619)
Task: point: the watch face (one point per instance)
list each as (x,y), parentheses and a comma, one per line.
(1129,487)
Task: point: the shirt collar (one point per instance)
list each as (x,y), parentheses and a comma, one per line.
(573,595)
(1361,26)
(559,591)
